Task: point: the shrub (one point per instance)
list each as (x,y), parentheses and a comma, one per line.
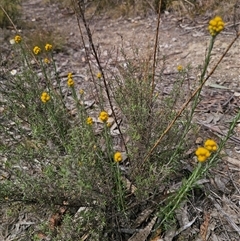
(58,153)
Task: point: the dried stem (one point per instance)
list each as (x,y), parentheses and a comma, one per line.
(156,48)
(89,34)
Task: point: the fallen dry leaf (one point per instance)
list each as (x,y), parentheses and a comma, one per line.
(204,226)
(233,161)
(143,233)
(56,218)
(143,216)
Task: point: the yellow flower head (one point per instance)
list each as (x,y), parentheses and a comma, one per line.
(17,39)
(103,116)
(46,61)
(179,68)
(48,47)
(210,145)
(70,82)
(45,97)
(117,156)
(81,91)
(70,75)
(36,50)
(99,75)
(216,25)
(202,154)
(89,121)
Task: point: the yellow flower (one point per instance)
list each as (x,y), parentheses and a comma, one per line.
(36,50)
(17,39)
(103,116)
(210,145)
(99,75)
(45,97)
(70,75)
(70,82)
(117,156)
(81,91)
(216,25)
(202,154)
(48,47)
(179,68)
(89,121)
(46,61)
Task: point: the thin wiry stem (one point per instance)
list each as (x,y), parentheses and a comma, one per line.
(14,26)
(86,53)
(89,34)
(155,49)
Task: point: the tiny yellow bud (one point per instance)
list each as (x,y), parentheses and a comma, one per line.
(179,68)
(99,75)
(117,156)
(46,61)
(45,97)
(36,50)
(70,82)
(89,121)
(48,47)
(17,39)
(210,145)
(70,75)
(202,154)
(103,116)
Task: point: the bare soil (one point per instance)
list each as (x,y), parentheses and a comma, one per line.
(182,41)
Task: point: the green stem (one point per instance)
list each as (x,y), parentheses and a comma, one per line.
(119,188)
(207,59)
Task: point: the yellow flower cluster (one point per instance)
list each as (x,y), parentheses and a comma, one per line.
(179,68)
(117,156)
(210,145)
(216,25)
(103,116)
(89,121)
(17,39)
(48,47)
(45,97)
(46,61)
(36,50)
(203,153)
(70,81)
(99,75)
